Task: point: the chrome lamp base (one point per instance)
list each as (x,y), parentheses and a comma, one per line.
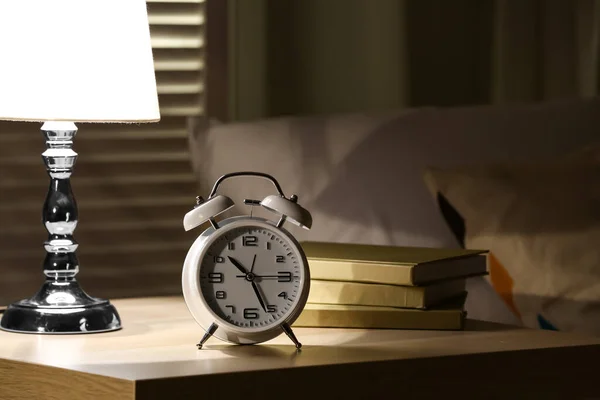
(41,314)
(60,306)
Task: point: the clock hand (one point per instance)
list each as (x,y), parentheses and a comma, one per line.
(237,264)
(282,274)
(285,276)
(253,261)
(259,295)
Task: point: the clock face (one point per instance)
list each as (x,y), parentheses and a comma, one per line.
(251,276)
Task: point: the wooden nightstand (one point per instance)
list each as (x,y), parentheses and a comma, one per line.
(155,357)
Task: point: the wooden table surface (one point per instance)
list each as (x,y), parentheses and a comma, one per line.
(154,357)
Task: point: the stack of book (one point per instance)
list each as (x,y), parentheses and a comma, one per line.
(367,286)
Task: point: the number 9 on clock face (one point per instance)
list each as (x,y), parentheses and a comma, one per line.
(250,277)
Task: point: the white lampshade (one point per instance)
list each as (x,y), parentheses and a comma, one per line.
(76,60)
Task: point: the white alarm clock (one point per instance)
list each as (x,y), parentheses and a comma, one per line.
(246,279)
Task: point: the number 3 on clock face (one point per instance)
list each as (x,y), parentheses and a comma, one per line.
(251,278)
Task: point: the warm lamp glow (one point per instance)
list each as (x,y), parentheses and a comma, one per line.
(76,60)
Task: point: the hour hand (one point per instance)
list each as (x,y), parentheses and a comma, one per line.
(237,264)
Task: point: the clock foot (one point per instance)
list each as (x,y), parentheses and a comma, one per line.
(211,330)
(288,331)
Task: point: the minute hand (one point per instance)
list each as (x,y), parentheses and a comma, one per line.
(259,295)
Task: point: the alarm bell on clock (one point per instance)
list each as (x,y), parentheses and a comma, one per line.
(246,279)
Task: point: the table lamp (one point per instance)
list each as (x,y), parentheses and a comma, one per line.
(61,62)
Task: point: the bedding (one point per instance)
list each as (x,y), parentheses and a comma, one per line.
(361,175)
(541,223)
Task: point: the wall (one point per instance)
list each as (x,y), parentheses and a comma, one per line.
(298,57)
(314,56)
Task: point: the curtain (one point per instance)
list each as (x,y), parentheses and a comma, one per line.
(545,49)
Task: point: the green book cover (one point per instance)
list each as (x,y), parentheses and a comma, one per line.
(393,265)
(368,294)
(450,316)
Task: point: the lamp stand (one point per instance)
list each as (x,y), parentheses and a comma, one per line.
(60,306)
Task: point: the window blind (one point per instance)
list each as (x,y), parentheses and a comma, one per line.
(133,182)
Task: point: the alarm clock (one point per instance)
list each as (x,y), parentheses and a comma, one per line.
(246,279)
